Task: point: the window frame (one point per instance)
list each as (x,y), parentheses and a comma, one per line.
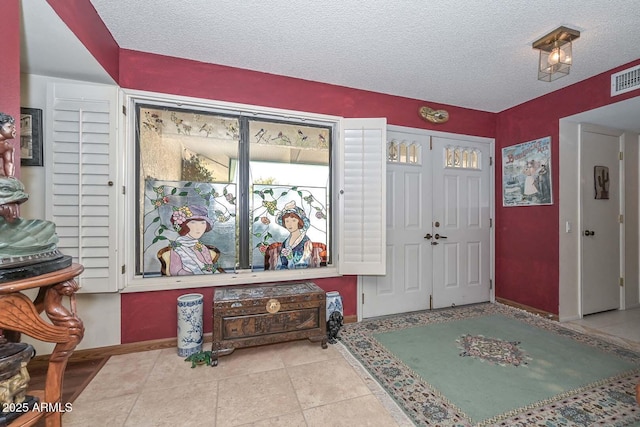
(131,282)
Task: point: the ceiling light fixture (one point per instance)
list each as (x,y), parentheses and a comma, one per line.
(555,53)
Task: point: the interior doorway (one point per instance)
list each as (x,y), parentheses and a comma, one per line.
(622,116)
(600,218)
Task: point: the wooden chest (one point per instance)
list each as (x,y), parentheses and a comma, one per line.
(245,316)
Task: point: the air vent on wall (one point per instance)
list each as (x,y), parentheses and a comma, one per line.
(625,81)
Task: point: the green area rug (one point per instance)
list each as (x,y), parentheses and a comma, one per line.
(490,364)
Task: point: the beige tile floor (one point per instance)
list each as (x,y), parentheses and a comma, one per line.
(289,384)
(619,326)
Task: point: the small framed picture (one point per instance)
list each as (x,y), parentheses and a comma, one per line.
(31,137)
(601,181)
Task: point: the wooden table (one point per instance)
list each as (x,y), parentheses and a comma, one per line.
(18,314)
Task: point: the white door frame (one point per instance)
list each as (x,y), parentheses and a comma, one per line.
(492,202)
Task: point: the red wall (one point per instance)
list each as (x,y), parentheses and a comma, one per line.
(153,315)
(163,74)
(156,73)
(10,69)
(527,266)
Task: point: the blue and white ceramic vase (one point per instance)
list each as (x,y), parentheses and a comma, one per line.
(190,309)
(334,303)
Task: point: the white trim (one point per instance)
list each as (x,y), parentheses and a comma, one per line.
(231,107)
(359,293)
(569,319)
(139,284)
(435,133)
(623,243)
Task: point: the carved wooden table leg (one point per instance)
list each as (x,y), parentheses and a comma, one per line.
(68,320)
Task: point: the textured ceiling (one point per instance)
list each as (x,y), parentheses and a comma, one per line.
(439,54)
(468,53)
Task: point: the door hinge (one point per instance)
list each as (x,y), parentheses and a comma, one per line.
(430,143)
(122,269)
(124,110)
(621,155)
(490,283)
(621,219)
(124,190)
(622,281)
(490,161)
(363,298)
(430,302)
(490,222)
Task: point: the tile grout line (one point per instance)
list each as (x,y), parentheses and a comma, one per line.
(142,388)
(293,387)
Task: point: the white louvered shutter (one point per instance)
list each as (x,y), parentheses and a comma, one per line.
(81,173)
(362,194)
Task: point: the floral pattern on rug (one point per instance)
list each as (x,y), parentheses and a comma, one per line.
(610,402)
(492,350)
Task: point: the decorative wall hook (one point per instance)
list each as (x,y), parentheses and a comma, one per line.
(433,116)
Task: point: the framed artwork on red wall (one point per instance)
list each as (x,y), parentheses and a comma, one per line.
(526,173)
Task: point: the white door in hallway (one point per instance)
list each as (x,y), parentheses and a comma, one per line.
(461,222)
(600,212)
(438,231)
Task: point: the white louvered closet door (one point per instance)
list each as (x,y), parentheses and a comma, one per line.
(82,173)
(362,193)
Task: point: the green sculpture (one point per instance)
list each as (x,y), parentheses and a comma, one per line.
(22,241)
(199,358)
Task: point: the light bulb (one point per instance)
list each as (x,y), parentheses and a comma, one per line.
(557,55)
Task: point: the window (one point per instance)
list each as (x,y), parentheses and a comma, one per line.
(99,185)
(100,191)
(223,192)
(403,152)
(237,170)
(462,158)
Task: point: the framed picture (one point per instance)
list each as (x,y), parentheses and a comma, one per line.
(601,181)
(31,137)
(526,173)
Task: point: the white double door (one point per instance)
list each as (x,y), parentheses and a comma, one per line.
(438,226)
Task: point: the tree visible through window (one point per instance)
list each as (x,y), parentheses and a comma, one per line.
(220,192)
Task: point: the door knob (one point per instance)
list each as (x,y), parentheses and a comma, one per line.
(437,236)
(589,233)
(428,236)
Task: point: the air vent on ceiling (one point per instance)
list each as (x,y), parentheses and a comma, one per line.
(625,81)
